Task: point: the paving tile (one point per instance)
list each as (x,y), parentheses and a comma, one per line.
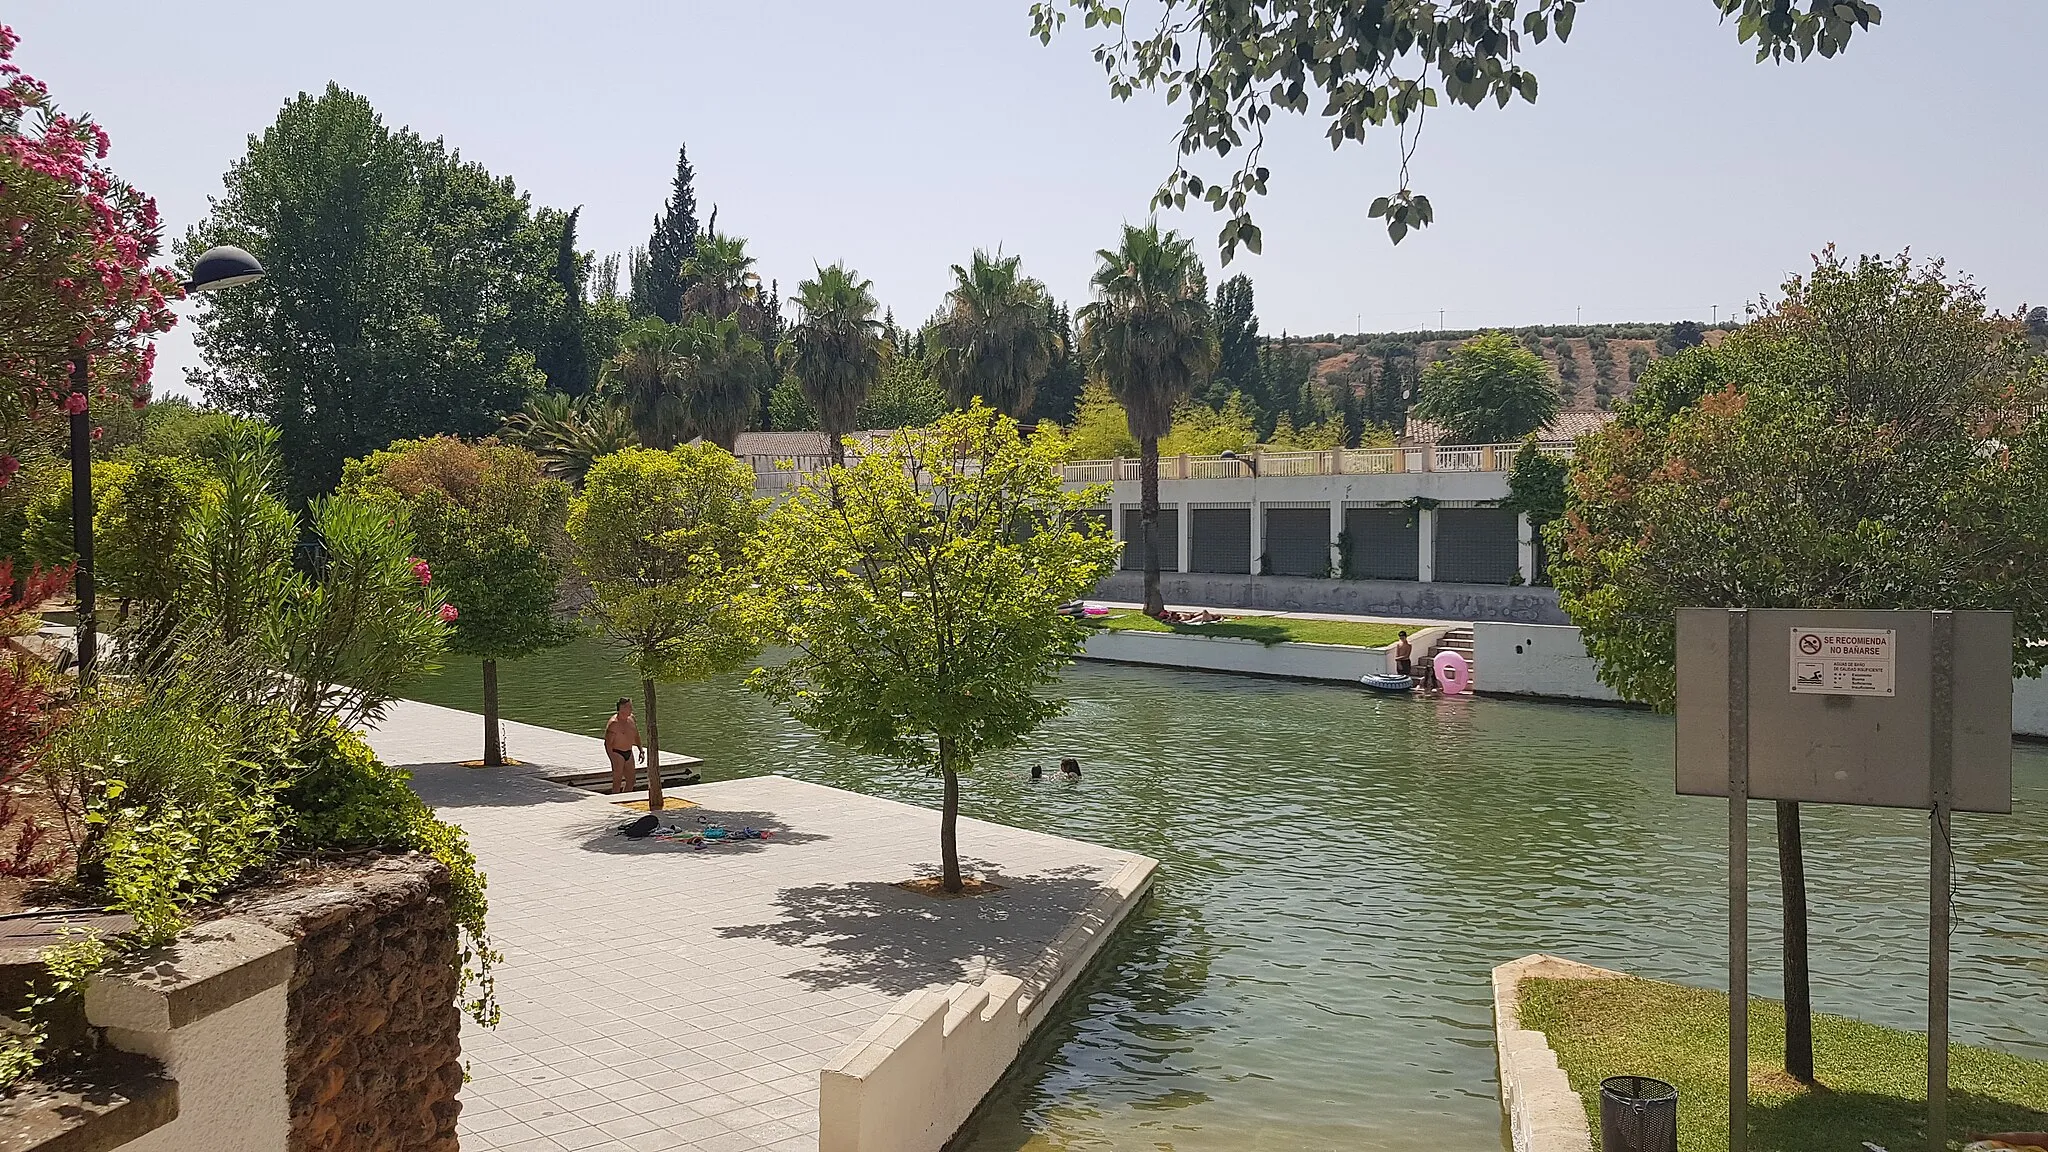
(649,988)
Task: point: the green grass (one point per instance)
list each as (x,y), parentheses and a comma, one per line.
(1872,1080)
(1264,629)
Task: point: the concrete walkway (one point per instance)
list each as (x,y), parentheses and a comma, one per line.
(660,997)
(1409,621)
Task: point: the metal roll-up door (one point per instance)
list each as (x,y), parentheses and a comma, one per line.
(1220,540)
(1476,545)
(1169,539)
(1298,541)
(1385,543)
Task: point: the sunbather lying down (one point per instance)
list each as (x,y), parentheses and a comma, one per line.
(1198,616)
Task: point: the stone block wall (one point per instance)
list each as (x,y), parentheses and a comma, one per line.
(373,1050)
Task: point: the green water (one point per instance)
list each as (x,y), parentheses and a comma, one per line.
(1341,871)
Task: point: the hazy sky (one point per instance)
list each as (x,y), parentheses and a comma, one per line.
(1661,173)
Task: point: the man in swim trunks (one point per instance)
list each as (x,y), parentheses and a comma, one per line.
(620,738)
(1404,656)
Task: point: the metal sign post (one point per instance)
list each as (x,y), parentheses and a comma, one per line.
(1877,708)
(1738,881)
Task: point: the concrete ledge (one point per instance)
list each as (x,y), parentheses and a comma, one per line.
(1414,600)
(1289,660)
(111,1103)
(914,1077)
(212,966)
(1544,1113)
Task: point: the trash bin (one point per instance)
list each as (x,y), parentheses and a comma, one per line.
(1638,1114)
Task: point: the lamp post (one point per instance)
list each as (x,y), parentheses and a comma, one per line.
(221,267)
(1247,461)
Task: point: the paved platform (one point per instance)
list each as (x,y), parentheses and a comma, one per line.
(660,997)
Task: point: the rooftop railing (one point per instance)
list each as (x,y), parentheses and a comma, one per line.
(780,473)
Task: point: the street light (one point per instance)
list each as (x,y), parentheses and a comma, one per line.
(1248,462)
(221,267)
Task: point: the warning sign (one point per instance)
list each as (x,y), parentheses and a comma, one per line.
(1859,663)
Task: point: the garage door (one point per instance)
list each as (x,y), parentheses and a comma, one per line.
(1220,540)
(1476,545)
(1298,541)
(1384,543)
(1169,539)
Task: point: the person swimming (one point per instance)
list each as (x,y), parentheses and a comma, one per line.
(1070,768)
(1037,773)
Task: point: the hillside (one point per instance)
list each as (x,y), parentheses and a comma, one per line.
(1594,366)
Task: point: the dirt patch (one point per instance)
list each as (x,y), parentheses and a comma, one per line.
(935,887)
(29,873)
(668,804)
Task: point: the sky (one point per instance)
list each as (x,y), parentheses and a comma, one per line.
(1662,174)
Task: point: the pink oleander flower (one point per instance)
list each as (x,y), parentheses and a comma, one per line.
(420,569)
(74,403)
(448,613)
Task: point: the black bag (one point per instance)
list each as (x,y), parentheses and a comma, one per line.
(642,828)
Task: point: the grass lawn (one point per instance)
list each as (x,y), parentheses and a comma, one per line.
(1873,1081)
(1265,629)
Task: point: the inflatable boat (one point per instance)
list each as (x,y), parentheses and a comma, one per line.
(1388,683)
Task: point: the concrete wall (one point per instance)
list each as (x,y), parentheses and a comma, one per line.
(1379,488)
(210,1009)
(911,1080)
(1397,598)
(1228,654)
(2030,707)
(1536,660)
(1544,1114)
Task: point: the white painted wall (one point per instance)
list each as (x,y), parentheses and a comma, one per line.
(2030,706)
(911,1080)
(1536,660)
(1387,488)
(1229,654)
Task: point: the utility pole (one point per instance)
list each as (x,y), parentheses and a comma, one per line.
(1439,319)
(1717,314)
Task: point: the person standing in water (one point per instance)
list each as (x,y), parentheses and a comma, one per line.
(1404,656)
(621,736)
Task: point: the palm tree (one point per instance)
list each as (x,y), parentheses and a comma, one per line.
(719,377)
(996,337)
(722,281)
(647,370)
(836,350)
(1147,332)
(570,433)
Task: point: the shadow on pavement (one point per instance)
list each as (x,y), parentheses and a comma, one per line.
(884,937)
(600,832)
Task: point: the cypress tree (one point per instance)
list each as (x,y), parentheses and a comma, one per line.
(562,361)
(658,283)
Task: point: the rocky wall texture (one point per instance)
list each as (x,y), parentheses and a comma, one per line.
(373,1050)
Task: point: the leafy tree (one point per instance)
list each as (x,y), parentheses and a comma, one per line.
(1490,390)
(487,523)
(996,337)
(1317,437)
(564,359)
(1102,430)
(1058,394)
(663,539)
(1681,335)
(1830,455)
(1147,332)
(1362,67)
(659,272)
(723,281)
(238,550)
(1237,340)
(2037,328)
(908,395)
(1199,430)
(140,523)
(409,289)
(75,274)
(921,594)
(836,350)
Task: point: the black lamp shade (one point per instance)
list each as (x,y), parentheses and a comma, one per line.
(223,267)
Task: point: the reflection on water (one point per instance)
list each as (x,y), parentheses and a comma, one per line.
(1341,871)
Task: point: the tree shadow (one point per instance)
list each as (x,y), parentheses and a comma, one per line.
(1824,1121)
(600,832)
(878,935)
(454,786)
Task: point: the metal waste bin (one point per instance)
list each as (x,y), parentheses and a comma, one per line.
(1638,1114)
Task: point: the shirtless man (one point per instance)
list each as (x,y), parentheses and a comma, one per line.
(620,737)
(1404,653)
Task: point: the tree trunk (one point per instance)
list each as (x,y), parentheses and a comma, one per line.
(1148,515)
(835,446)
(653,748)
(1798,991)
(949,819)
(494,748)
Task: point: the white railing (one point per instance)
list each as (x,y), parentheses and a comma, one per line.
(1331,462)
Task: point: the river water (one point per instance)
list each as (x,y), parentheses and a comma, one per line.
(1340,872)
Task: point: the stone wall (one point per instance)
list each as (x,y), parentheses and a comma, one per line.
(373,1054)
(1401,599)
(1543,1113)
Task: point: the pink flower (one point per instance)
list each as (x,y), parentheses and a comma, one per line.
(75,403)
(448,613)
(420,569)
